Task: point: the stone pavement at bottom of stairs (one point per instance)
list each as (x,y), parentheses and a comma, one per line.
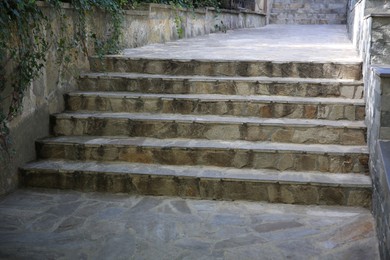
(53,224)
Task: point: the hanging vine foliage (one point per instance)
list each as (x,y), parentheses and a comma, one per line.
(22,55)
(25,37)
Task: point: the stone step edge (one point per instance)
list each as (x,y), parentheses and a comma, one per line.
(346,69)
(136,58)
(148,142)
(269,99)
(197,78)
(283,122)
(206,172)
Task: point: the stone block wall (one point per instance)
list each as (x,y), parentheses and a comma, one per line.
(369,29)
(42,97)
(380,170)
(308,12)
(378,107)
(147,24)
(358,12)
(355,22)
(374,48)
(379,163)
(155,23)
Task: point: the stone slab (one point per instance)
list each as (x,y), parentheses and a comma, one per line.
(169,84)
(214,104)
(217,119)
(261,175)
(307,43)
(219,97)
(298,69)
(201,78)
(202,182)
(212,144)
(158,125)
(54,224)
(235,154)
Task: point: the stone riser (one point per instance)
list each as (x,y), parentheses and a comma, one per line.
(237,158)
(194,187)
(208,130)
(221,86)
(275,19)
(228,68)
(262,109)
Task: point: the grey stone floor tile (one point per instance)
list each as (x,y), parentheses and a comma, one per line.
(78,225)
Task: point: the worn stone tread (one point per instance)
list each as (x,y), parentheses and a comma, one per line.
(219,97)
(205,144)
(130,56)
(273,86)
(259,175)
(158,83)
(128,75)
(215,119)
(228,67)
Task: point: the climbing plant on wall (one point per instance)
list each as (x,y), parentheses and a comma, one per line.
(26,35)
(22,55)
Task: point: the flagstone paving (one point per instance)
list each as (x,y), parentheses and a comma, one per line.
(54,224)
(274,42)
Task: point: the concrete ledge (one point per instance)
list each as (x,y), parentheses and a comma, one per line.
(377,15)
(383,72)
(385,156)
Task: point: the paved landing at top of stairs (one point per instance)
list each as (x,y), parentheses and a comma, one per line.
(316,43)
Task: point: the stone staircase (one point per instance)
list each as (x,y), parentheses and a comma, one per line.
(287,132)
(308,12)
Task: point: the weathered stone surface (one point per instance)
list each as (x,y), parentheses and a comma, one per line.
(201,182)
(238,154)
(379,168)
(144,83)
(226,68)
(121,226)
(308,12)
(198,127)
(151,23)
(208,125)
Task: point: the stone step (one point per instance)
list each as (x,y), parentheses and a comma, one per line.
(169,84)
(296,69)
(210,127)
(237,154)
(201,182)
(291,18)
(215,104)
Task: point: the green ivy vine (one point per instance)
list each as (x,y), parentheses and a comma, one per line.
(25,37)
(22,55)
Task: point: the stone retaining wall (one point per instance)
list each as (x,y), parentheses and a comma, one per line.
(369,29)
(380,169)
(154,23)
(380,153)
(147,24)
(308,12)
